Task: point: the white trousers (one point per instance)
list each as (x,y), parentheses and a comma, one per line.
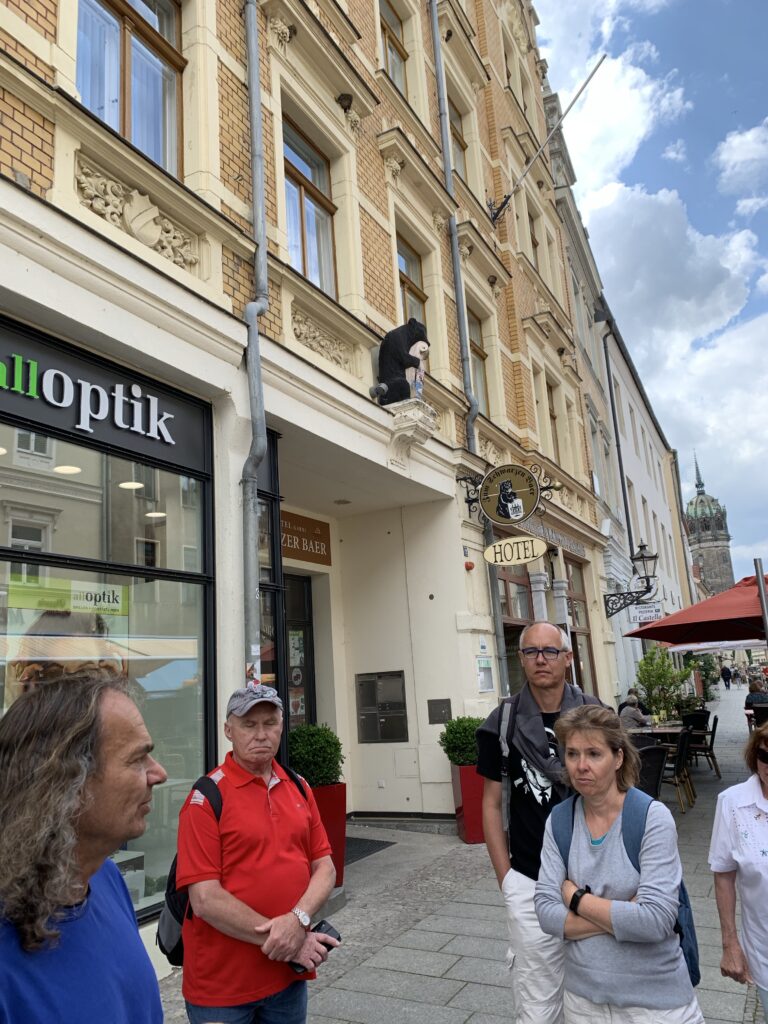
(536,959)
(583,1011)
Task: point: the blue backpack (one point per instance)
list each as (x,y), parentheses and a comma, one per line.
(636,804)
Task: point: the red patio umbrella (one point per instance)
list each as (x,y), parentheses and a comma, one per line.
(733,615)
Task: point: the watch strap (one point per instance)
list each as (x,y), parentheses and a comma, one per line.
(577,897)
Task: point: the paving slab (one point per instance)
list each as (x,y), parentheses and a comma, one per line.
(363,1008)
(485,949)
(420,962)
(475,911)
(461,926)
(485,972)
(490,998)
(419,988)
(415,939)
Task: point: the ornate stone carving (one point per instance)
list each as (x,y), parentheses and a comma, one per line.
(465,251)
(393,167)
(133,212)
(414,423)
(490,452)
(315,338)
(354,121)
(438,221)
(282,33)
(518,28)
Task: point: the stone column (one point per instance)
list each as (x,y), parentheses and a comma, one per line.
(539,582)
(559,588)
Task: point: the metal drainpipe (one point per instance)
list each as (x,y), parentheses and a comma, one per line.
(461,313)
(254,309)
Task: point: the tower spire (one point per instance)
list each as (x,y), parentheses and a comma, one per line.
(699,481)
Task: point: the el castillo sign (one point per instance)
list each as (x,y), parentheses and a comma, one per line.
(515,550)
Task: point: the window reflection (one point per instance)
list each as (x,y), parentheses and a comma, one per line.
(61,498)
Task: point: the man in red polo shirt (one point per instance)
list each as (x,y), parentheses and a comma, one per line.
(255,878)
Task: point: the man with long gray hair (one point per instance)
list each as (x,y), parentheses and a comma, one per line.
(76,778)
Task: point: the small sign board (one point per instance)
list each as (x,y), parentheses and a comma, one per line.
(509,494)
(515,550)
(648,612)
(307,540)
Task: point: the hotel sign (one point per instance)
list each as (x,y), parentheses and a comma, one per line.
(515,550)
(306,540)
(51,385)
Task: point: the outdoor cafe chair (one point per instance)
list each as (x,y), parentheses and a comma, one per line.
(653,760)
(676,771)
(706,747)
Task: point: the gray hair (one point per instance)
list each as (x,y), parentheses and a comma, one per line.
(49,745)
(565,642)
(632,700)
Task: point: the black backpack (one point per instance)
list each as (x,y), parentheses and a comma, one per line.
(177,906)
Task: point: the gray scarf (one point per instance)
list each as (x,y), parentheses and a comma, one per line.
(530,739)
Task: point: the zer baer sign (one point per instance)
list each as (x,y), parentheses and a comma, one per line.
(515,550)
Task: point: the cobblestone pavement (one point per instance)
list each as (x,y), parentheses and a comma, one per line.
(424,928)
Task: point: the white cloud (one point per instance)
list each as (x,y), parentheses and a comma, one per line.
(624,103)
(667,283)
(749,207)
(676,152)
(742,161)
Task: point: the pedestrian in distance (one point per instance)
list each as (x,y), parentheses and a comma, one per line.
(736,677)
(255,877)
(76,780)
(737,858)
(624,963)
(632,692)
(518,758)
(725,675)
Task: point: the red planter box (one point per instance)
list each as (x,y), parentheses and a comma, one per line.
(468,800)
(332,805)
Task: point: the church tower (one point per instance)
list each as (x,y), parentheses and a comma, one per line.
(708,537)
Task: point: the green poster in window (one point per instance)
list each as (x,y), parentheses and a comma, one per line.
(68,596)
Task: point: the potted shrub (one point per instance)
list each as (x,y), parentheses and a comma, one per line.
(661,686)
(459,743)
(314,751)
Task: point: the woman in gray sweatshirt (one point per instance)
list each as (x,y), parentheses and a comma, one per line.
(623,960)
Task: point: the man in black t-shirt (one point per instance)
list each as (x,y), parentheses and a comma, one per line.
(545,653)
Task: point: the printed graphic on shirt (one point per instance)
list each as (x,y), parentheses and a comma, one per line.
(534,782)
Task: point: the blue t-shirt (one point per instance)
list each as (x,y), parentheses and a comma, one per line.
(99,973)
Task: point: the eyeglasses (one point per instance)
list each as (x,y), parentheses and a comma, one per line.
(550,653)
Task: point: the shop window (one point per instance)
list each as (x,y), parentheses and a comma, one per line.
(413,299)
(458,144)
(381,709)
(309,210)
(146,552)
(190,492)
(478,357)
(394,55)
(129,69)
(145,479)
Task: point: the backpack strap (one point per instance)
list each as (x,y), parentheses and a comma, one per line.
(562,818)
(633,818)
(295,779)
(506,728)
(211,792)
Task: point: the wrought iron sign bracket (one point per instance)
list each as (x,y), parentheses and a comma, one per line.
(471,485)
(614,603)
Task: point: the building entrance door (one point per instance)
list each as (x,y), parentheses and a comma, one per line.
(300,655)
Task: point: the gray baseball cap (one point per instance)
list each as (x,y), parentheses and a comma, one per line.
(241,701)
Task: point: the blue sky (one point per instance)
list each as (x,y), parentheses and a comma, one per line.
(670,146)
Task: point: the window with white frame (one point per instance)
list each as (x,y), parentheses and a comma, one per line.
(458,143)
(413,298)
(394,55)
(26,537)
(309,210)
(533,235)
(553,426)
(33,450)
(478,356)
(129,67)
(145,478)
(190,492)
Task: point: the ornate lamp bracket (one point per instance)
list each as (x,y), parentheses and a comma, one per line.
(614,603)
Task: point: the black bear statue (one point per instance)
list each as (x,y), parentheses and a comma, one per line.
(401,356)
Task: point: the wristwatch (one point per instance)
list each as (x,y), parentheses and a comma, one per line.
(576,899)
(304,919)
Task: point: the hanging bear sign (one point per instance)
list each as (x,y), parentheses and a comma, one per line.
(509,494)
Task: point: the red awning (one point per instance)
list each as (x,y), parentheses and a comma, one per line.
(733,615)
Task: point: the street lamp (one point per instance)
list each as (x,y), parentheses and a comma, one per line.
(641,584)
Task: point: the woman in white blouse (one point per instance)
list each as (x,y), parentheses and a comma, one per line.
(738,855)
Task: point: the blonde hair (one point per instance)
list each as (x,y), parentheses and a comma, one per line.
(605,721)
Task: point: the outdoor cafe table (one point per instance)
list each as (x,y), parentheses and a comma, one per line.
(661,733)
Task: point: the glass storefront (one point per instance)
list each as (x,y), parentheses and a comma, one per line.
(104,562)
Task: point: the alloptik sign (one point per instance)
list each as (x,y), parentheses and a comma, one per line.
(126,406)
(48,385)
